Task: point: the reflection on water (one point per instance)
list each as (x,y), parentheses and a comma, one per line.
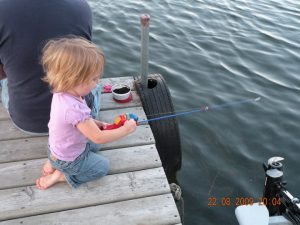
(213,52)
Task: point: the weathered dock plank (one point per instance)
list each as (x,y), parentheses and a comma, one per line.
(143,211)
(3,113)
(22,202)
(35,148)
(23,149)
(9,131)
(24,173)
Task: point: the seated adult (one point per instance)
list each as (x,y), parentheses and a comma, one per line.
(25,27)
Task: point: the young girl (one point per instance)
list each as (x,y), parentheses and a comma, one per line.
(73,67)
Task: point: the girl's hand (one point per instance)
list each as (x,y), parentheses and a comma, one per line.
(101,125)
(130,125)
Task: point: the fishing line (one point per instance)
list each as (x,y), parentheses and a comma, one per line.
(202,109)
(171,112)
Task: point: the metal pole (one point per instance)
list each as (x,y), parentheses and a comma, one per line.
(145,19)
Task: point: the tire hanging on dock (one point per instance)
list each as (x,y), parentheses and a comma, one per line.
(156,101)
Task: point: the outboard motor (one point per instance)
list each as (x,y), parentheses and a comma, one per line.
(279,200)
(273,183)
(283,208)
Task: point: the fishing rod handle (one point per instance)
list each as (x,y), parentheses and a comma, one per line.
(120,120)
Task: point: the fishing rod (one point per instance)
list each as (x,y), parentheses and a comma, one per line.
(120,120)
(202,109)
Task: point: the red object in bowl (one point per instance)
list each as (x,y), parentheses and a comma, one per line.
(124,100)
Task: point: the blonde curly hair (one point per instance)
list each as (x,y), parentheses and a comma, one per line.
(69,62)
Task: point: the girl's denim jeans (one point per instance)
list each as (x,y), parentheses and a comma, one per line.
(4,93)
(93,101)
(86,167)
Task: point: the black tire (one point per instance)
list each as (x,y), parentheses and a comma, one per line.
(156,101)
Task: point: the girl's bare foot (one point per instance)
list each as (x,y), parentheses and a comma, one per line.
(45,182)
(47,168)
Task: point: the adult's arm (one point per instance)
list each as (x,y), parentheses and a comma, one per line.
(2,73)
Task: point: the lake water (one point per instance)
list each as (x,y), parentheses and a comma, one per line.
(214,52)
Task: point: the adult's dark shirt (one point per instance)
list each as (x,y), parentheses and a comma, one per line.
(25,27)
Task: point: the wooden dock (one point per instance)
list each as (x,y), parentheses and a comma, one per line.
(136,191)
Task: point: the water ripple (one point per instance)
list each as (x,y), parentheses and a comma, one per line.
(213,52)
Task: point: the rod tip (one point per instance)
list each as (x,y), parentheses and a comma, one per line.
(257,99)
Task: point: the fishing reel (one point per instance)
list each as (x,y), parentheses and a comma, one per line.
(120,120)
(279,200)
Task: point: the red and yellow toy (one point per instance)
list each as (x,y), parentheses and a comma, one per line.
(120,120)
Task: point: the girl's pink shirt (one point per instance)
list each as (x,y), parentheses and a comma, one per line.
(66,142)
